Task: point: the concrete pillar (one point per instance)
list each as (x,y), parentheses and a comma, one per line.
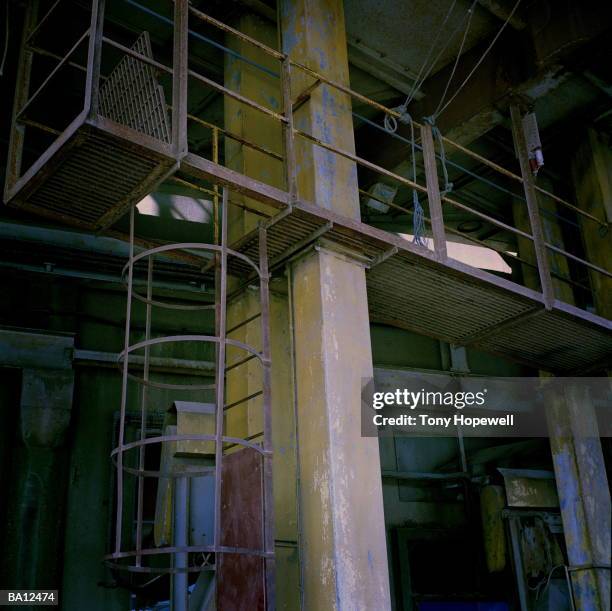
(35,513)
(592,176)
(342,543)
(313,34)
(246,420)
(584,497)
(584,491)
(576,450)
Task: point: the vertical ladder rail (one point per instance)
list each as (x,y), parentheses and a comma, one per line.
(220,381)
(268,499)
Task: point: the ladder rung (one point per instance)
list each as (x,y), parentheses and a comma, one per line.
(246,359)
(243,400)
(244,322)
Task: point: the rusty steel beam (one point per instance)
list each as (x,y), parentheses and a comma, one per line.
(433,192)
(180,66)
(537,231)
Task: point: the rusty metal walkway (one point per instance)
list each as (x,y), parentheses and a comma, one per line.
(103,163)
(408,287)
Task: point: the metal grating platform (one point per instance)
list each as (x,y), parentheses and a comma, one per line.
(93,175)
(410,288)
(101,165)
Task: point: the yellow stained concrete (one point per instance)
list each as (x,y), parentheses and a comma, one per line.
(246,420)
(343,547)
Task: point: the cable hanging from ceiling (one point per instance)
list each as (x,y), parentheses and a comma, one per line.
(470,14)
(391,125)
(480,60)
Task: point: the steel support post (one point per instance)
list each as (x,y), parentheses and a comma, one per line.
(94,58)
(180,593)
(290,169)
(592,178)
(532,206)
(179,77)
(268,499)
(433,192)
(124,392)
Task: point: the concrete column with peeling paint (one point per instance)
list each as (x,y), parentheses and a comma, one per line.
(342,541)
(580,472)
(313,34)
(584,497)
(576,450)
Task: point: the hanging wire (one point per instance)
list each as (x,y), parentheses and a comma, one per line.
(418,82)
(482,57)
(391,125)
(470,14)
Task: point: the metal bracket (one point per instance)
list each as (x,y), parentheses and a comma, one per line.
(301,245)
(381,258)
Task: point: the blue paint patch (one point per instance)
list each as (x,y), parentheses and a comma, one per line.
(322,58)
(329,102)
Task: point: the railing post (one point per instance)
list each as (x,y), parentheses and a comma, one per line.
(215,158)
(179,78)
(531,197)
(290,169)
(22,91)
(433,191)
(94,59)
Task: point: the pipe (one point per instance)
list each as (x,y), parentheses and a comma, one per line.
(180,593)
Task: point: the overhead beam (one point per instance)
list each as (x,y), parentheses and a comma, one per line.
(528,62)
(503,11)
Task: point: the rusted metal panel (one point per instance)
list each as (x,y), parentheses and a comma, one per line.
(240,578)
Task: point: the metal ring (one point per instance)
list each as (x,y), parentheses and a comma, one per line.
(171,306)
(181,246)
(181,338)
(154,551)
(189,246)
(167,385)
(161,571)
